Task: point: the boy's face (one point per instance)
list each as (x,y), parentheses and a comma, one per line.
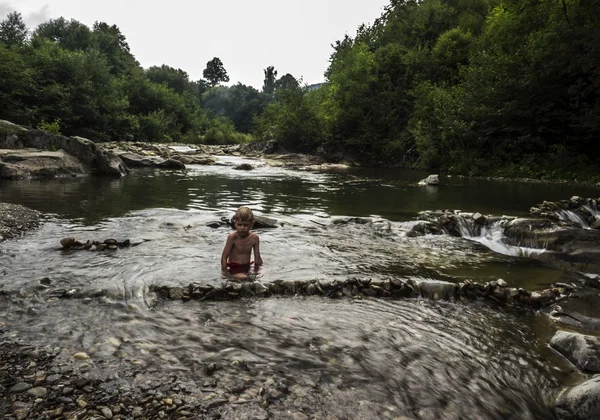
(243,227)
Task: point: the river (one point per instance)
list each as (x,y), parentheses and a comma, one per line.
(384,358)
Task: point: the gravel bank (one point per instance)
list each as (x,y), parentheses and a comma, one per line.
(39,382)
(15,219)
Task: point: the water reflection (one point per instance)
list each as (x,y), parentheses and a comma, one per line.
(392,194)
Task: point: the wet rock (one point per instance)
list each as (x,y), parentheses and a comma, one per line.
(176,293)
(210,368)
(582,350)
(581,402)
(430,180)
(244,167)
(171,164)
(67,242)
(260,222)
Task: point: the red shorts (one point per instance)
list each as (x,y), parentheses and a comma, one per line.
(237,268)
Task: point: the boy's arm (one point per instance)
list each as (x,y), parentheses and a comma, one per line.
(226,251)
(257,258)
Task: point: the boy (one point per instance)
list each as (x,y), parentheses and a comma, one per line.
(239,245)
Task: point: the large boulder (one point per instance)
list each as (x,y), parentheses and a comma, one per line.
(581,350)
(31,163)
(97,159)
(581,402)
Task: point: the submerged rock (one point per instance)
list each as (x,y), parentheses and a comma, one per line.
(581,350)
(72,243)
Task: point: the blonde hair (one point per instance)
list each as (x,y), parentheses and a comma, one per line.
(243,213)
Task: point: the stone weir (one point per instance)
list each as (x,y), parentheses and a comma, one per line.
(494,291)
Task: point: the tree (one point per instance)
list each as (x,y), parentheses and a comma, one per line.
(215,72)
(270,77)
(13,30)
(176,79)
(111,42)
(287,81)
(72,35)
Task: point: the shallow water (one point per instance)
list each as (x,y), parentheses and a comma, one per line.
(416,358)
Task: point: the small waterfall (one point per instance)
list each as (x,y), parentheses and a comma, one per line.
(570,216)
(492,236)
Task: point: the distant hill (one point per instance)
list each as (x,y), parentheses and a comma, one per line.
(314,86)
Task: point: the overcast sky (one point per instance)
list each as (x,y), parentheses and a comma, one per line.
(247,35)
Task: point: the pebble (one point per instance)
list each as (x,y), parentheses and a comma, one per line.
(38,392)
(81,356)
(106,412)
(217,402)
(20,387)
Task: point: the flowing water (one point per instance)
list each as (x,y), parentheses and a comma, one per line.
(418,358)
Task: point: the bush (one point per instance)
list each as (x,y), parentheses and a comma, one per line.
(53,127)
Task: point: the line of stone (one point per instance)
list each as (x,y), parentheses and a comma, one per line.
(497,291)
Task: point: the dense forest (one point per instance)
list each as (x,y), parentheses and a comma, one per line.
(475,87)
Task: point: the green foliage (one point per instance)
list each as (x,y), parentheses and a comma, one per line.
(270,78)
(215,72)
(292,121)
(465,86)
(81,81)
(176,79)
(13,31)
(53,127)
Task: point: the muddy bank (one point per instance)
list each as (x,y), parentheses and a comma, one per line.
(16,219)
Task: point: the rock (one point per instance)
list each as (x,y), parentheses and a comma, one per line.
(217,402)
(244,167)
(581,402)
(18,164)
(19,387)
(106,412)
(430,180)
(271,147)
(261,222)
(81,356)
(96,159)
(171,164)
(210,368)
(582,350)
(479,218)
(38,392)
(67,242)
(176,293)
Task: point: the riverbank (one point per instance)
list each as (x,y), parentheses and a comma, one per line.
(16,219)
(38,382)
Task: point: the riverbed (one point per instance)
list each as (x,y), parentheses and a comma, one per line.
(344,358)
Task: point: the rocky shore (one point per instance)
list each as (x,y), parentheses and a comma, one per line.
(16,219)
(45,383)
